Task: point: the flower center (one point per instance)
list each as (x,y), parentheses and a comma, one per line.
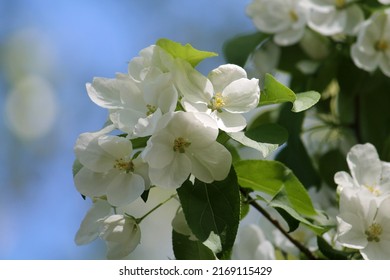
(373,232)
(123,165)
(180,145)
(217,102)
(340,4)
(374,190)
(381,45)
(151,109)
(293,16)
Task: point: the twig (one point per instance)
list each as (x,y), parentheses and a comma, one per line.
(276,223)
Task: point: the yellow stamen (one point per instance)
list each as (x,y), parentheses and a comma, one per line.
(373,232)
(340,4)
(293,16)
(151,109)
(122,165)
(381,45)
(180,144)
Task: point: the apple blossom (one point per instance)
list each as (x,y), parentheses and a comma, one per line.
(185,143)
(109,169)
(120,231)
(369,174)
(372,48)
(225,94)
(332,17)
(364,225)
(284,18)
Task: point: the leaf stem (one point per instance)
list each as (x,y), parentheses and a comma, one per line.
(139,220)
(276,223)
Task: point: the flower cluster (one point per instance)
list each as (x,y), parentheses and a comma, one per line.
(293,21)
(364,218)
(164,120)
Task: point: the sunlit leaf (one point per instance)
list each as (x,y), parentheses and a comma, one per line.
(186,52)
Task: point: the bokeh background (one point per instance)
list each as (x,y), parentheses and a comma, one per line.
(48,51)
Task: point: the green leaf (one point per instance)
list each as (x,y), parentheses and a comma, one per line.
(268,133)
(186,249)
(282,203)
(305,100)
(264,148)
(271,177)
(212,208)
(238,49)
(186,52)
(329,252)
(275,92)
(330,163)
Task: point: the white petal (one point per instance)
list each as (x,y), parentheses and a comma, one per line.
(354,16)
(90,154)
(125,188)
(126,119)
(159,151)
(105,93)
(89,228)
(351,235)
(241,95)
(118,147)
(344,180)
(289,37)
(222,76)
(364,163)
(173,175)
(211,163)
(230,122)
(192,84)
(147,126)
(119,250)
(327,23)
(363,60)
(92,184)
(199,128)
(377,250)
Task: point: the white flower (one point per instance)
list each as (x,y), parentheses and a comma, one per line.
(332,17)
(109,169)
(183,144)
(224,95)
(385,2)
(369,174)
(138,99)
(122,235)
(364,225)
(135,108)
(90,226)
(253,245)
(121,232)
(284,18)
(372,49)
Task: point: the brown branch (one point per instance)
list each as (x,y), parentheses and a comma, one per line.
(276,223)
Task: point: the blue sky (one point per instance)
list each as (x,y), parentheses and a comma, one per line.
(67,44)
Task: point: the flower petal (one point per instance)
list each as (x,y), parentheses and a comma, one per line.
(173,175)
(125,188)
(241,96)
(90,183)
(230,122)
(211,163)
(364,163)
(224,75)
(89,228)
